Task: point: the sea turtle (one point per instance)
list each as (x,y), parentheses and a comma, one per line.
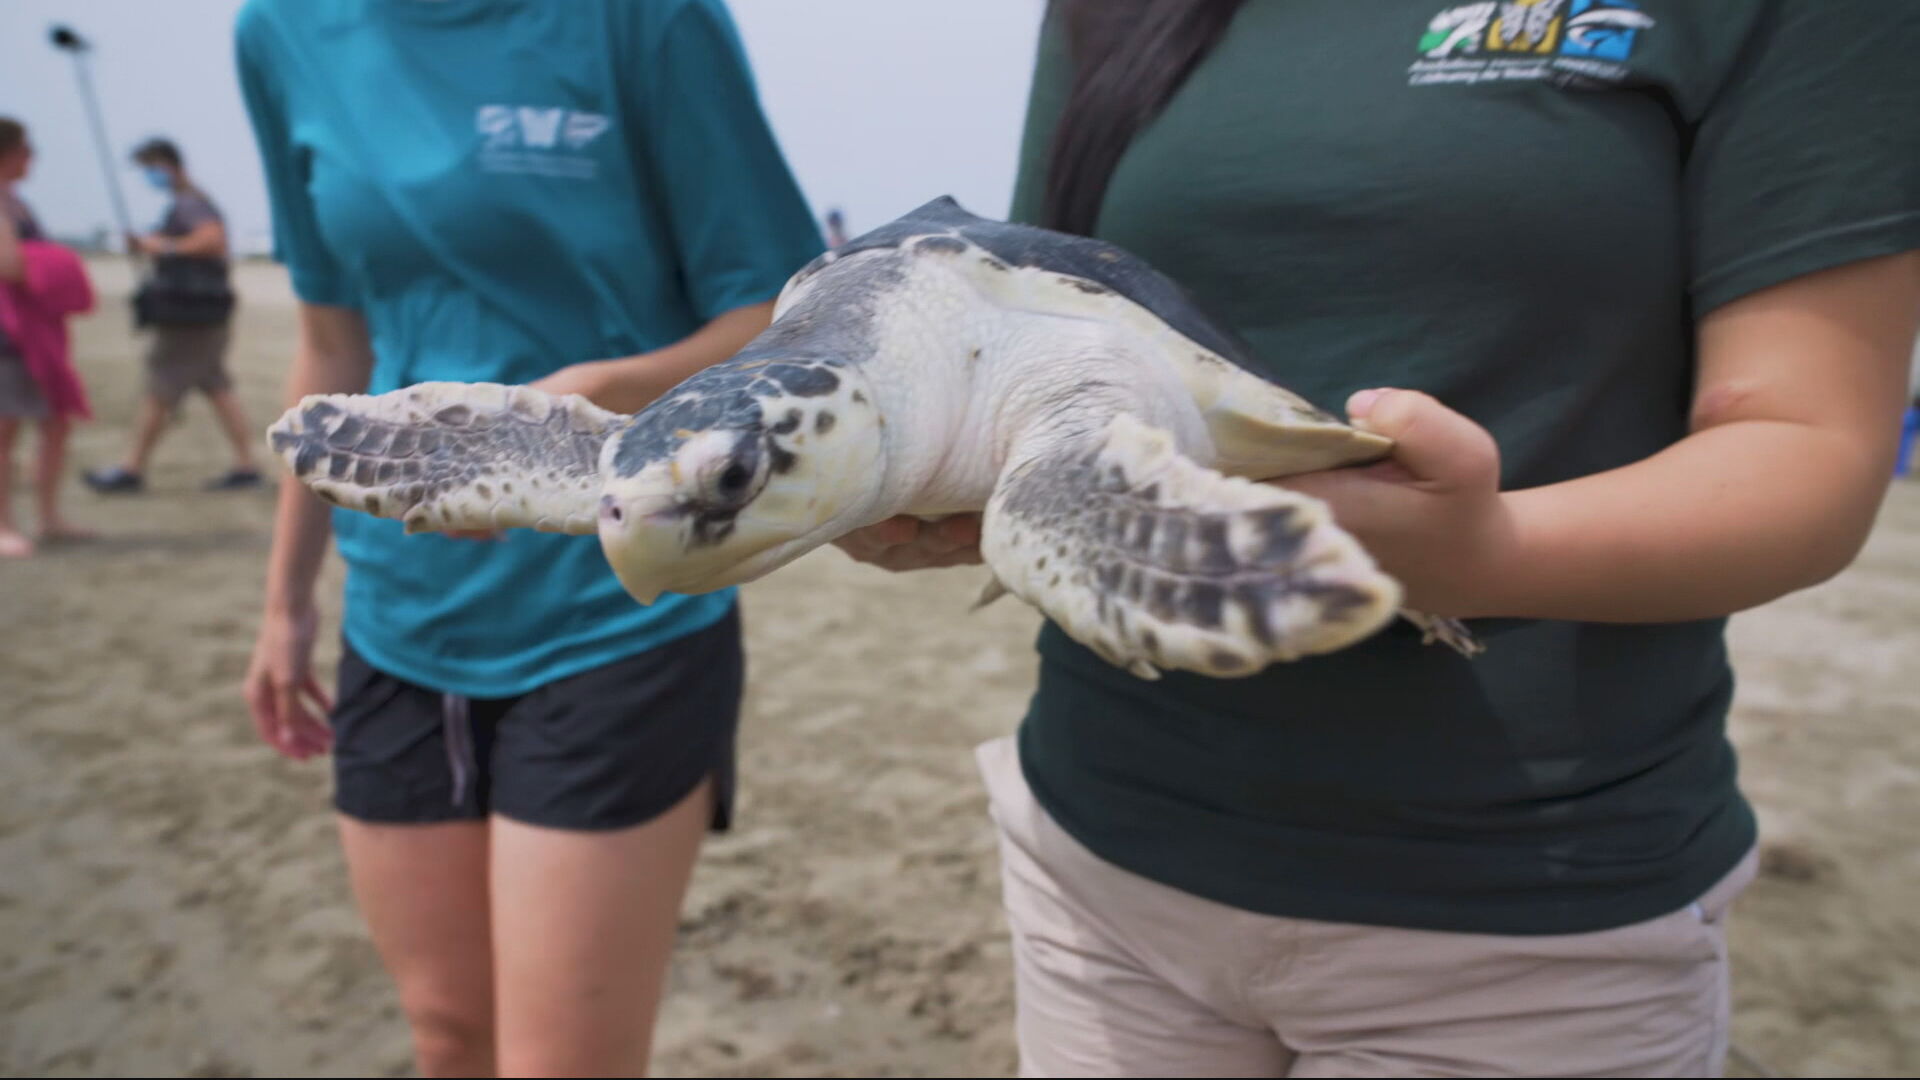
(943,363)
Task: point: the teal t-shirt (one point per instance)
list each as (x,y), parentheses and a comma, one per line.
(502,188)
(1525,209)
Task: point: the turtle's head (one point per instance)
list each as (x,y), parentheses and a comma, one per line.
(736,473)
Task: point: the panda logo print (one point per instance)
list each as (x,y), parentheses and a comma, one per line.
(539,140)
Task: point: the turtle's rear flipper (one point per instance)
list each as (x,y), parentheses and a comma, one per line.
(1449,632)
(452,456)
(1155,562)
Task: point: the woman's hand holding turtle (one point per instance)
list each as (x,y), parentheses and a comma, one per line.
(910,543)
(1432,514)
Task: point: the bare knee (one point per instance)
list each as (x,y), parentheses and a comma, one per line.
(626,1056)
(452,1034)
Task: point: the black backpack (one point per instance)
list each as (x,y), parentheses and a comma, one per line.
(185,290)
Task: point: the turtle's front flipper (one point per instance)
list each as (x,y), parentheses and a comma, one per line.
(453,456)
(1155,562)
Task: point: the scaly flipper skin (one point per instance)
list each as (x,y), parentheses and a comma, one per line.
(1155,562)
(453,456)
(1265,432)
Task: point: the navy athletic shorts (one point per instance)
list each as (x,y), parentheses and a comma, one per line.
(609,748)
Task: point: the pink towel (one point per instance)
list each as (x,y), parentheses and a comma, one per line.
(34,313)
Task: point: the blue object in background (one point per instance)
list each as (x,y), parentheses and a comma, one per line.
(1909,433)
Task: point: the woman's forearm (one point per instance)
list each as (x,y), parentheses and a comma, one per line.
(302,528)
(1725,520)
(334,357)
(1795,418)
(1795,423)
(631,383)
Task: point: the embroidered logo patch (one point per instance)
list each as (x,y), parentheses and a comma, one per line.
(1567,42)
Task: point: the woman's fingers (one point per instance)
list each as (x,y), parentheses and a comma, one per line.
(1432,442)
(870,543)
(894,531)
(313,731)
(318,693)
(908,543)
(263,706)
(289,714)
(958,533)
(286,705)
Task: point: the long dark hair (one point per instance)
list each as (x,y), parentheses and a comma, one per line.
(1128,57)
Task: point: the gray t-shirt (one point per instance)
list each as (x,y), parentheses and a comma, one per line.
(188,211)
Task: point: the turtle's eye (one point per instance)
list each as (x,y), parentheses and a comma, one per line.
(732,481)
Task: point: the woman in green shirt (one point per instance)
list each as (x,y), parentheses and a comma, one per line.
(1657,260)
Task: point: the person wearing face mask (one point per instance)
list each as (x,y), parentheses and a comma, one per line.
(188,302)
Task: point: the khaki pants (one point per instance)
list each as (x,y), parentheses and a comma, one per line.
(1121,976)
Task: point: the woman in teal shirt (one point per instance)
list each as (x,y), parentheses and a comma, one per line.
(585,197)
(1658,260)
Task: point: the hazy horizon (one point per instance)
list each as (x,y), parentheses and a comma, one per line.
(878,105)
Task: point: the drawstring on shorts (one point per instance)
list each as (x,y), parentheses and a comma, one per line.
(456,722)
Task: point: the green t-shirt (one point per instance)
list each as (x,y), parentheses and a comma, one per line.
(1522,208)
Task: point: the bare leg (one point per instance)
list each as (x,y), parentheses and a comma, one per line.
(153,424)
(48,469)
(13,544)
(423,891)
(583,926)
(226,406)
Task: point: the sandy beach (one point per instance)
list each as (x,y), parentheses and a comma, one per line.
(172,900)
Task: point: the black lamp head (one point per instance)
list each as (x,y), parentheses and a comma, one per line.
(65,37)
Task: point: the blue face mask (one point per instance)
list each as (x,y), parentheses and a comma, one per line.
(160,178)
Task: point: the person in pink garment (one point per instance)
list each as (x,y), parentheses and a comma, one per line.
(41,284)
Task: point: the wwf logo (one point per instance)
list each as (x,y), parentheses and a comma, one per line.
(539,140)
(510,127)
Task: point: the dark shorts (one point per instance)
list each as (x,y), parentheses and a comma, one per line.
(609,748)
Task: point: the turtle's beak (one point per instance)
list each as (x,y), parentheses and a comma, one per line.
(659,537)
(613,531)
(641,534)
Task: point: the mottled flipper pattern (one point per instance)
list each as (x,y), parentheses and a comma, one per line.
(1155,562)
(453,456)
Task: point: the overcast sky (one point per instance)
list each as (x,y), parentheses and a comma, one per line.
(879,104)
